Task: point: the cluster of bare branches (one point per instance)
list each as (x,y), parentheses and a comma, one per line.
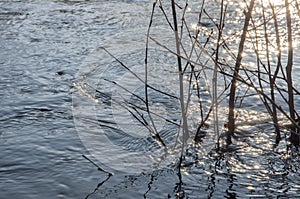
(239,55)
(247,56)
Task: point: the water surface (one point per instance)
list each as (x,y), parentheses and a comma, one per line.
(47,46)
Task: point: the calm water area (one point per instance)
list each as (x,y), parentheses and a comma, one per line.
(48,48)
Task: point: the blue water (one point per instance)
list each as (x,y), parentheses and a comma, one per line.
(43,47)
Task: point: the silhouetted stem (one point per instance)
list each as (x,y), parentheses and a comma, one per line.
(215,74)
(294,137)
(231,117)
(273,79)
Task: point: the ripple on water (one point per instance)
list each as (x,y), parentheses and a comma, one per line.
(43,45)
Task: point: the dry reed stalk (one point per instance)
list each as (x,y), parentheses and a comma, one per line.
(215,73)
(273,79)
(146,79)
(181,87)
(294,136)
(231,117)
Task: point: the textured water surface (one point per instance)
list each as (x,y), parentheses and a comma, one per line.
(50,52)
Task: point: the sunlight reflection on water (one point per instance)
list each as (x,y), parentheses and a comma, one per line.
(247,165)
(47,45)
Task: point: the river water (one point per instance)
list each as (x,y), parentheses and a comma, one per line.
(50,57)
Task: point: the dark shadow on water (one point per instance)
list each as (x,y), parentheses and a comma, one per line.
(98,186)
(101,170)
(179,190)
(221,167)
(153,175)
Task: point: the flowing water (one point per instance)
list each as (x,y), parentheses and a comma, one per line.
(61,98)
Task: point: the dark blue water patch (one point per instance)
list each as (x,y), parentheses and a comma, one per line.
(39,167)
(40,149)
